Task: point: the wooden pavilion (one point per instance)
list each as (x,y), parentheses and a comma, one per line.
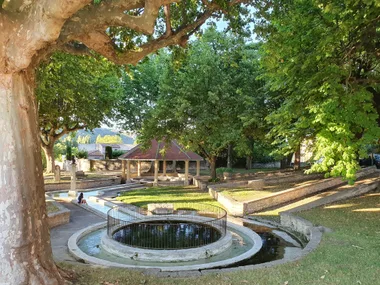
(158,151)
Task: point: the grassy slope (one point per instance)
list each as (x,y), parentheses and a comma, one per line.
(348,255)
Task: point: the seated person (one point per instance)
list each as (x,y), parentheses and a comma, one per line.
(81,200)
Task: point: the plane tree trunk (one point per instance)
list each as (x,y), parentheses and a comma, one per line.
(25,254)
(49,154)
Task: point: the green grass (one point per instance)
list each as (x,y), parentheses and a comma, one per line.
(348,255)
(51,208)
(143,197)
(242,194)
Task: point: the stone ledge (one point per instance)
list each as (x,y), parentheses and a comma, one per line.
(60,217)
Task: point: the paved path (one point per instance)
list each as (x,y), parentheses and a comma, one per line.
(79,219)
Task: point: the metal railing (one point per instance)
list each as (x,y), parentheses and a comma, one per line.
(168,226)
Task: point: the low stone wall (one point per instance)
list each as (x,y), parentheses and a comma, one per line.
(288,195)
(256,175)
(242,208)
(58,218)
(83,184)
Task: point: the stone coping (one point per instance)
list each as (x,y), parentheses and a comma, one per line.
(78,254)
(167,255)
(83,184)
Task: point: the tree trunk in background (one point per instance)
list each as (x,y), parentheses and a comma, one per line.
(25,250)
(297,158)
(49,154)
(286,161)
(212,162)
(229,156)
(248,162)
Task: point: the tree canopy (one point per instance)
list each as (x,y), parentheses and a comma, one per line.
(74,92)
(322,59)
(204,102)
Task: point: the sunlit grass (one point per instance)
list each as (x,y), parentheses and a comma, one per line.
(143,197)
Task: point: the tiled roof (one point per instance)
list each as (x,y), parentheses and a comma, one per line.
(172,152)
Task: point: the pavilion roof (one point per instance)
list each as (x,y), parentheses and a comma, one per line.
(173,152)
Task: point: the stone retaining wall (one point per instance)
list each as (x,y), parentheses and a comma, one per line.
(58,218)
(83,184)
(242,208)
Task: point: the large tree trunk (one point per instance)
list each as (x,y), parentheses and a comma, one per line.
(212,162)
(25,250)
(49,154)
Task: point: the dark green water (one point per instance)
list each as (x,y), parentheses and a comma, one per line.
(167,235)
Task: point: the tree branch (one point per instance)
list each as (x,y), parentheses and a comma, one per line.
(102,44)
(41,26)
(167,20)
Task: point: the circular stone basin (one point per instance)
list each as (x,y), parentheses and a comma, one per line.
(167,235)
(154,234)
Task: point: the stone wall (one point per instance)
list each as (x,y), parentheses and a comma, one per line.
(58,218)
(83,184)
(243,208)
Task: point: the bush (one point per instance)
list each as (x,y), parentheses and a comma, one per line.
(220,170)
(82,154)
(214,179)
(117,153)
(108,152)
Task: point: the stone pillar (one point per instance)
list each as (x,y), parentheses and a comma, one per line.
(156,166)
(139,168)
(128,171)
(186,172)
(174,166)
(57,173)
(73,186)
(198,168)
(164,168)
(123,176)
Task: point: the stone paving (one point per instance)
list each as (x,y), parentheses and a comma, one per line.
(79,219)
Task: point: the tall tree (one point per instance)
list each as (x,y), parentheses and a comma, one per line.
(210,124)
(74,92)
(123,31)
(141,91)
(323,58)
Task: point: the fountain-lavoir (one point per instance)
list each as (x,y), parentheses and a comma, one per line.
(170,237)
(177,237)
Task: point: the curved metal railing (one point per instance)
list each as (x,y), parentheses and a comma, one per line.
(167,225)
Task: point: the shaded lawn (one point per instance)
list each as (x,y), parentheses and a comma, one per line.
(180,194)
(348,255)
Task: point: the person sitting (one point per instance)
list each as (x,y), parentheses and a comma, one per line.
(81,200)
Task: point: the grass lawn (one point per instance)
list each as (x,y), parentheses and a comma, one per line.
(143,197)
(242,194)
(348,255)
(51,208)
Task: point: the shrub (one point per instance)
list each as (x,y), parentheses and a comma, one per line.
(82,154)
(220,170)
(117,153)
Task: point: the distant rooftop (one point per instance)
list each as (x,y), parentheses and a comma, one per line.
(173,152)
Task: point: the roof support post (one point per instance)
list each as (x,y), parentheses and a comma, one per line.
(123,177)
(164,168)
(128,171)
(139,168)
(174,166)
(186,172)
(198,168)
(156,165)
